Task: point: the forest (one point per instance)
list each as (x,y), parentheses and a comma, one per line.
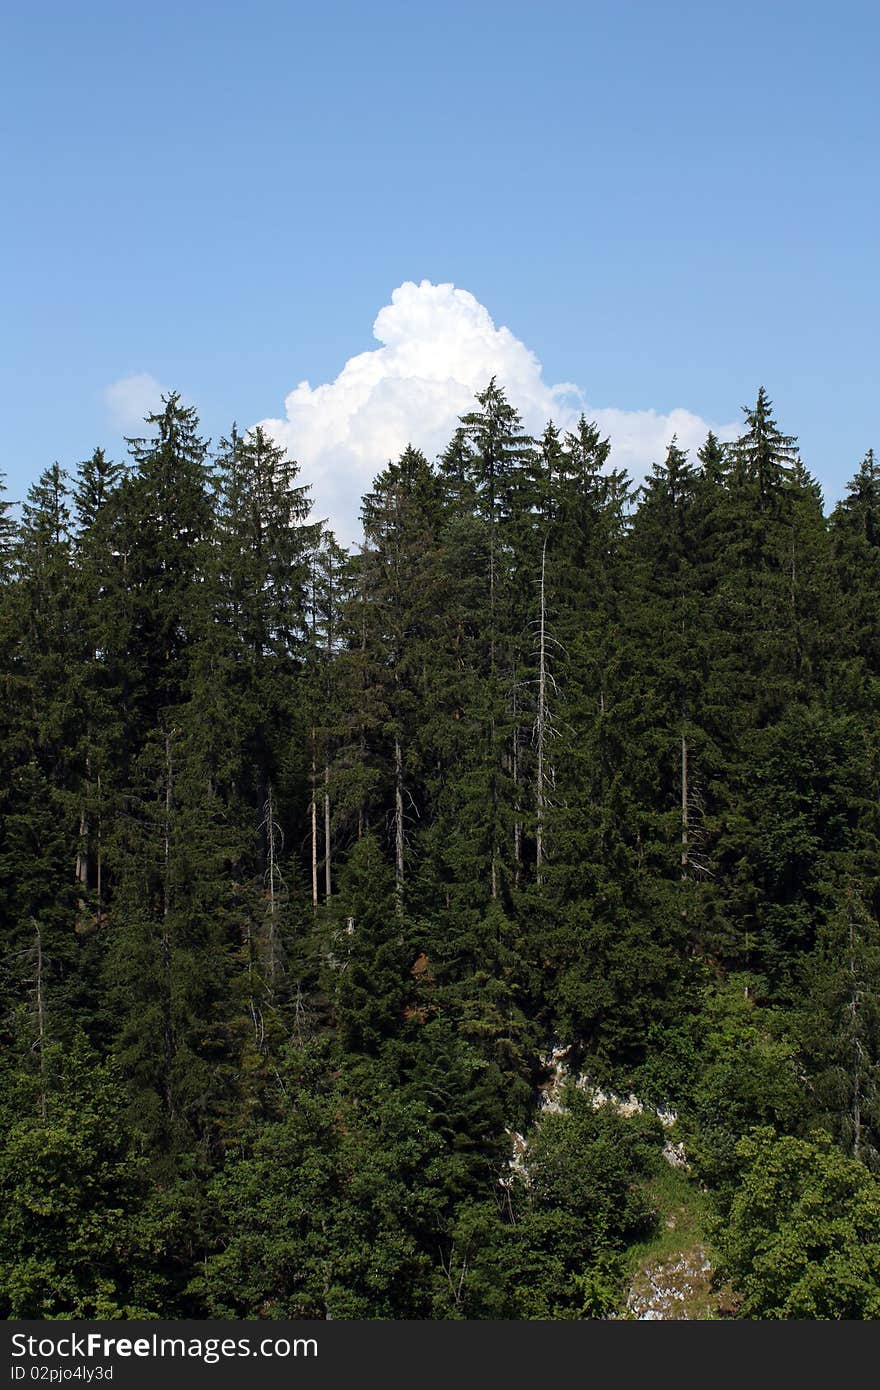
(437,929)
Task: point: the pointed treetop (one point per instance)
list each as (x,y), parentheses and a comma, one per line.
(763,456)
(587,445)
(409,480)
(860,508)
(45,515)
(497,426)
(95,481)
(585,454)
(713,458)
(8,530)
(864,488)
(176,433)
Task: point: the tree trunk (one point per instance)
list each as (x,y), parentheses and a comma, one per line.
(857,1047)
(99,857)
(514,768)
(166,888)
(272,942)
(313,813)
(541,723)
(684,803)
(166,937)
(40,1008)
(328,881)
(398,823)
(517,824)
(82,853)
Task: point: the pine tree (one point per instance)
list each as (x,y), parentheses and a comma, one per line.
(44,764)
(165,520)
(855,532)
(402,583)
(98,594)
(331,764)
(502,461)
(49,644)
(762,458)
(840,1028)
(97,480)
(8,531)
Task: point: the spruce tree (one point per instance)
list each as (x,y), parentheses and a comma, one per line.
(839,1028)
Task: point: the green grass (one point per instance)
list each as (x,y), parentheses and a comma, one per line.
(673,1256)
(677,1199)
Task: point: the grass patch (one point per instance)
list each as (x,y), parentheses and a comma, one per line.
(670,1273)
(682,1216)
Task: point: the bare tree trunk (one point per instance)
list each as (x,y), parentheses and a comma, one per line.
(398,823)
(82,854)
(81,870)
(857,1047)
(793,589)
(252,998)
(166,912)
(517,824)
(331,613)
(684,802)
(363,824)
(328,882)
(494,830)
(514,768)
(270,816)
(99,856)
(492,593)
(857,1103)
(540,797)
(313,812)
(166,890)
(40,1007)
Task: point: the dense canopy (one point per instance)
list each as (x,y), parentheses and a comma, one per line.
(309,860)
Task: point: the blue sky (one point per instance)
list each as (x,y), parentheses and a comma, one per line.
(668,203)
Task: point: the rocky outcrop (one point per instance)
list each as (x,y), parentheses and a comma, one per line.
(556,1064)
(672,1289)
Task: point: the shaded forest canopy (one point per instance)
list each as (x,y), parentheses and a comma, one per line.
(308,857)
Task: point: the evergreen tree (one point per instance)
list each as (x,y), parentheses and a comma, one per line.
(165,521)
(840,1029)
(97,480)
(98,595)
(7,533)
(313,864)
(855,532)
(762,457)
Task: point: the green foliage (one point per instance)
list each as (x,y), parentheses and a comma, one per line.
(72,1189)
(745,1075)
(571,1206)
(333,1210)
(803,1236)
(839,1027)
(322,851)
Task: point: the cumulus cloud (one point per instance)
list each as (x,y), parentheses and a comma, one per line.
(131,398)
(438,347)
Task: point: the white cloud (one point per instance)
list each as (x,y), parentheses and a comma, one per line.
(438,347)
(639,437)
(131,398)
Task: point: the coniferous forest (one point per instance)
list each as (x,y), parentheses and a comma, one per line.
(441,928)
